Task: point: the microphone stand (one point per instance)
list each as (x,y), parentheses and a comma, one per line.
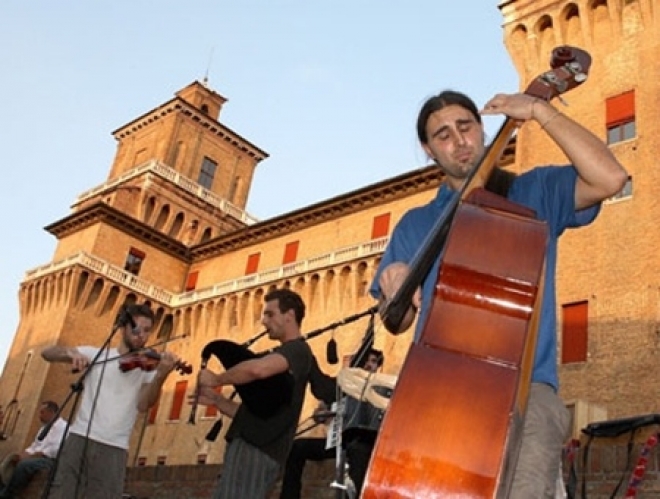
(76,389)
(346,320)
(342,489)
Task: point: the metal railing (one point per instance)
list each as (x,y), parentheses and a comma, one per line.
(162,170)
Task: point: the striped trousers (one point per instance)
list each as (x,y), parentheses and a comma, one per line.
(247,473)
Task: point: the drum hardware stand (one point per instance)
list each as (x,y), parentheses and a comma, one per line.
(343,485)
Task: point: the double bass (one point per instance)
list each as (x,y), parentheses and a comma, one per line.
(454,423)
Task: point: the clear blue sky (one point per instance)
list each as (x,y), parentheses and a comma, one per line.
(329,89)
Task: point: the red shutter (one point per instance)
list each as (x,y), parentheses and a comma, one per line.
(191,282)
(620,109)
(177,401)
(153,412)
(290,252)
(380,226)
(252,263)
(212,410)
(574,332)
(137,253)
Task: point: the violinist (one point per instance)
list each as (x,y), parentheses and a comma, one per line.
(450,130)
(93,459)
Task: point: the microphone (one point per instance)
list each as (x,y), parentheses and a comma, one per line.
(331,352)
(126,319)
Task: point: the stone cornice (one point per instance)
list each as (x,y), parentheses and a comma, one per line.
(373,195)
(518,11)
(178,105)
(404,185)
(103,213)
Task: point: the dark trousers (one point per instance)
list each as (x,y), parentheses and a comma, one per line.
(302,450)
(358,455)
(23,473)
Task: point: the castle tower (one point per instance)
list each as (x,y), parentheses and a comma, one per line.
(159,231)
(179,178)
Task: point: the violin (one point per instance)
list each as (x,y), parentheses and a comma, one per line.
(148,360)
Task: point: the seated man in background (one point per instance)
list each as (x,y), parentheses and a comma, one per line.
(39,455)
(316,449)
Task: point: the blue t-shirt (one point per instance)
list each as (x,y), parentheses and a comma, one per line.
(550,192)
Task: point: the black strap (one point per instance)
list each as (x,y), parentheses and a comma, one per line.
(572,482)
(585,460)
(631,442)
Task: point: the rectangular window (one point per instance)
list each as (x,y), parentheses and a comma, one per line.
(211,410)
(290,252)
(140,157)
(624,193)
(574,335)
(191,282)
(208,173)
(252,263)
(620,117)
(177,400)
(380,226)
(134,261)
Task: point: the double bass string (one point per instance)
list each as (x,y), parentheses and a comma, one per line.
(433,245)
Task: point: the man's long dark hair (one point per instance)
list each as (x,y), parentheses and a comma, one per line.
(500,180)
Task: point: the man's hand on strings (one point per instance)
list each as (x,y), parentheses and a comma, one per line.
(167,362)
(519,107)
(390,281)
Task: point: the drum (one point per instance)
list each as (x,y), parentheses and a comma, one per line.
(367,397)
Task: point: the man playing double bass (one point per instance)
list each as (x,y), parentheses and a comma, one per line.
(450,130)
(257,445)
